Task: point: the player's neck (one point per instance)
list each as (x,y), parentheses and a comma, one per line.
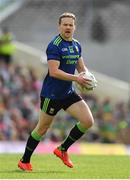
(65,38)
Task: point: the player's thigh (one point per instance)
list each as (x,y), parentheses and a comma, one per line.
(81,112)
(48,109)
(44,122)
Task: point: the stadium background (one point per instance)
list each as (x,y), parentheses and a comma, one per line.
(103,29)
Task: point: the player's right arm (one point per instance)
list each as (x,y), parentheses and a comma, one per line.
(55,72)
(53,59)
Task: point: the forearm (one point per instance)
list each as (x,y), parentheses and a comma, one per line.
(81,69)
(59,74)
(81,66)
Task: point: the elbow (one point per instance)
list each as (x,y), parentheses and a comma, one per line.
(53,74)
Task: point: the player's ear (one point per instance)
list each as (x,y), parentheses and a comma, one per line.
(59,27)
(74,27)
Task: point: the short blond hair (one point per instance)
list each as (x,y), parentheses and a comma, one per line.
(67,14)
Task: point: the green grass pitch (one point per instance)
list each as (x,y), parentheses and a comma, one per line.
(50,167)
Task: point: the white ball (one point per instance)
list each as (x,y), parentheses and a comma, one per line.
(88,87)
(92,83)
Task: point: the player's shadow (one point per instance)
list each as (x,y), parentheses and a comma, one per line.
(39,171)
(42,171)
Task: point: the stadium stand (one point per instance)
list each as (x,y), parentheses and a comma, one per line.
(8,7)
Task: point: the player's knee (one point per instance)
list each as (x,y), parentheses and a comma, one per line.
(88,122)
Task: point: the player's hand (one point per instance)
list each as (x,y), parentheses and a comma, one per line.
(82,81)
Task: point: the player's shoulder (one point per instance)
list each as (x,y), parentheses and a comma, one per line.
(76,41)
(54,44)
(55,41)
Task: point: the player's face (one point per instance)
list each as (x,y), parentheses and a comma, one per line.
(67,28)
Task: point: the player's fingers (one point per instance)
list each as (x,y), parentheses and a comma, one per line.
(87,80)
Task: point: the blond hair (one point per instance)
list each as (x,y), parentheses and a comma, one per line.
(67,14)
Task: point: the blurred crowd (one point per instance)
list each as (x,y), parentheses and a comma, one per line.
(19,101)
(19,106)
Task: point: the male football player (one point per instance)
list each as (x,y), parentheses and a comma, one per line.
(63,57)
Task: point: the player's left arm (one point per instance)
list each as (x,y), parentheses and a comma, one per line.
(80,66)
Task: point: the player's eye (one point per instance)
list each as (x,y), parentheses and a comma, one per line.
(65,24)
(69,25)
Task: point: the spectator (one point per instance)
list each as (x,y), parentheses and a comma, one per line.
(98,30)
(7,47)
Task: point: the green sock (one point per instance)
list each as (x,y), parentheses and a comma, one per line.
(31,145)
(76,132)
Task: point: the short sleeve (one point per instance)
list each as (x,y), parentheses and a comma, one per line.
(80,49)
(52,52)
